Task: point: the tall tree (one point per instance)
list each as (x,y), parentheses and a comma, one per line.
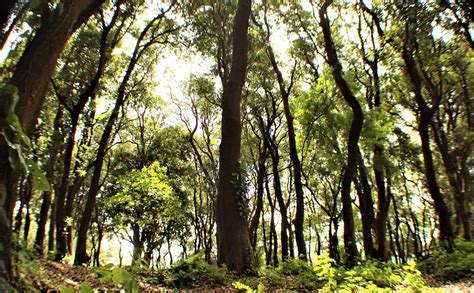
(157,30)
(31,77)
(75,107)
(233,241)
(426,113)
(285,88)
(350,244)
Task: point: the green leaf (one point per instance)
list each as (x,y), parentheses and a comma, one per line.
(39,180)
(17,159)
(117,276)
(86,288)
(14,123)
(131,285)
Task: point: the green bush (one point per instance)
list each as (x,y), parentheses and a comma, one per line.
(451,266)
(195,271)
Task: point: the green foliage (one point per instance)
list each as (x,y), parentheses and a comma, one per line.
(248,289)
(325,271)
(305,276)
(195,271)
(13,136)
(111,277)
(451,266)
(325,275)
(116,277)
(26,269)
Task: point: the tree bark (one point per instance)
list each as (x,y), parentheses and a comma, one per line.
(31,77)
(366,208)
(233,242)
(350,244)
(424,119)
(46,199)
(298,221)
(261,174)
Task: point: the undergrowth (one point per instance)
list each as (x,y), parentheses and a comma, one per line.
(458,265)
(322,274)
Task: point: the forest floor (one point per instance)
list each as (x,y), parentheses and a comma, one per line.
(48,276)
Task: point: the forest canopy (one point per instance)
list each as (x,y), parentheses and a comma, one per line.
(329,140)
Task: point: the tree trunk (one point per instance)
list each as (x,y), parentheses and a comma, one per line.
(46,199)
(65,207)
(139,50)
(281,203)
(233,241)
(81,247)
(273,238)
(350,244)
(424,119)
(61,196)
(31,77)
(52,225)
(366,208)
(298,221)
(261,173)
(455,179)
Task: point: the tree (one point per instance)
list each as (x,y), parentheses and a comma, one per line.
(285,92)
(354,134)
(109,37)
(155,31)
(31,78)
(233,242)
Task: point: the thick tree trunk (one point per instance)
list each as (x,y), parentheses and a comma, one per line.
(31,77)
(233,242)
(350,244)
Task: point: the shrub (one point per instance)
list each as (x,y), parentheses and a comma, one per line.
(451,266)
(195,271)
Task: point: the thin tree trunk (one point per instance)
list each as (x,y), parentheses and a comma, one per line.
(425,117)
(46,198)
(261,172)
(366,208)
(139,50)
(298,221)
(350,244)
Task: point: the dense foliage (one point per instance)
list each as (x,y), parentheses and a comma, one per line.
(246,144)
